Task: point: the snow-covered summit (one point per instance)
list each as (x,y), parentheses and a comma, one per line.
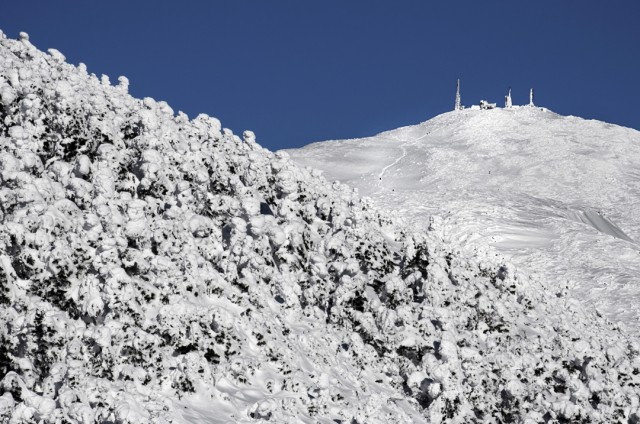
(157,269)
(557,194)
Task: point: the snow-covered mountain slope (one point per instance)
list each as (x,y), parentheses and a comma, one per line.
(556,195)
(156,269)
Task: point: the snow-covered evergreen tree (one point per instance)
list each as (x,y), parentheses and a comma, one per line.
(507,99)
(458,105)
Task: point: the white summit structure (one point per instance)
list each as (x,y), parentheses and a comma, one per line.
(485,105)
(507,100)
(458,105)
(531,97)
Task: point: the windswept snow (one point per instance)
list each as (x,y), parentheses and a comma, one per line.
(556,195)
(157,269)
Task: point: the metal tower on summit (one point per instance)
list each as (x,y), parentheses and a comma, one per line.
(458,105)
(531,97)
(507,100)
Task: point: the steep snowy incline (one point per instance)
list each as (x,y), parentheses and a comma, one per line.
(556,195)
(156,269)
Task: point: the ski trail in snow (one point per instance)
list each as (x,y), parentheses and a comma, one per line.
(404,154)
(403,146)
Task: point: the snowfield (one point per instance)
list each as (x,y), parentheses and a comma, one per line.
(160,269)
(556,195)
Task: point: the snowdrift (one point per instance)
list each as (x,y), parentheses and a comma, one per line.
(156,269)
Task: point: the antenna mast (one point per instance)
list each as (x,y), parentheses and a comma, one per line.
(507,100)
(458,100)
(531,98)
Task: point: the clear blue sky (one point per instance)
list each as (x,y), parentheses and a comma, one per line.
(301,71)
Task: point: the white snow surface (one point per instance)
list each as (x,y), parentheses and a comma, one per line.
(157,269)
(556,195)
